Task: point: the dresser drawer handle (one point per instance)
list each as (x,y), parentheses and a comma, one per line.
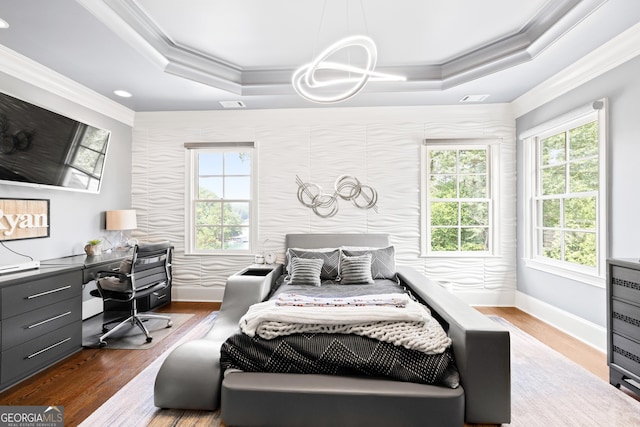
(35,325)
(32,355)
(41,294)
(160,296)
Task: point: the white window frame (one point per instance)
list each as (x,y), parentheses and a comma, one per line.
(596,276)
(493,171)
(191,185)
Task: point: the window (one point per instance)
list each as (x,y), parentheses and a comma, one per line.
(221,198)
(458,193)
(566,189)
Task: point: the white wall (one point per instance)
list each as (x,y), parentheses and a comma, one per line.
(622,88)
(74,217)
(380,146)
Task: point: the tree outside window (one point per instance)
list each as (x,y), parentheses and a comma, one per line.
(567,195)
(458,199)
(221,205)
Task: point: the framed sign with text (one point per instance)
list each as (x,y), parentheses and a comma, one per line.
(24,219)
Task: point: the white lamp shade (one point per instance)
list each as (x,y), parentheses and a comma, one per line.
(122,220)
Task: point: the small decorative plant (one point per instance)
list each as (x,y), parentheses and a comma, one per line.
(93,247)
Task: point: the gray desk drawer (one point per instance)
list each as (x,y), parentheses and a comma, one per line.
(36,354)
(32,324)
(158,298)
(38,293)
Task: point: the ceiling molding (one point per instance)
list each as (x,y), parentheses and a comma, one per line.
(29,71)
(551,22)
(615,52)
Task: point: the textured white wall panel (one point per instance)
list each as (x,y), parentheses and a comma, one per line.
(379,146)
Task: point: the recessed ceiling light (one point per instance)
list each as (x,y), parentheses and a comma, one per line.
(232,104)
(3,24)
(474,98)
(122,93)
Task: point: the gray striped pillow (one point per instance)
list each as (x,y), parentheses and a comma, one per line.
(383,261)
(355,269)
(306,271)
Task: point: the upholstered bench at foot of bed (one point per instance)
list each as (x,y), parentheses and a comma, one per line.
(282,400)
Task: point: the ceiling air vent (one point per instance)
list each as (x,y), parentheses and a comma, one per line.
(474,98)
(232,104)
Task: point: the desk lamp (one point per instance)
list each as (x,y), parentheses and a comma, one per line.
(122,220)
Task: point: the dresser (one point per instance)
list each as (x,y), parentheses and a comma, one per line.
(623,323)
(41,312)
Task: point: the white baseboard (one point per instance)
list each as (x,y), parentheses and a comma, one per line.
(579,328)
(196,294)
(489,298)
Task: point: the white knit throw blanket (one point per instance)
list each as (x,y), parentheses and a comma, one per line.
(410,326)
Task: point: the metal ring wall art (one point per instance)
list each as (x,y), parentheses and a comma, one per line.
(346,187)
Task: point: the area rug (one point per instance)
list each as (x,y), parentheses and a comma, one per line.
(548,390)
(130,337)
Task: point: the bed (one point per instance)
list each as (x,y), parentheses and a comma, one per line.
(468,374)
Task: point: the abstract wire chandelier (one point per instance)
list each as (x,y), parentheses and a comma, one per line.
(346,80)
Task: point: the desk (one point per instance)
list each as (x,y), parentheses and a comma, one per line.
(41,312)
(90,266)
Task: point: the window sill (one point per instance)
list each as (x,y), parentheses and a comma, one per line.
(225,254)
(578,276)
(456,255)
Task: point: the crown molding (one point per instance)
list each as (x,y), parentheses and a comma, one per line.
(130,21)
(36,74)
(615,52)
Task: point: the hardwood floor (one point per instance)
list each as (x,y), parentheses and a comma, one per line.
(583,354)
(84,381)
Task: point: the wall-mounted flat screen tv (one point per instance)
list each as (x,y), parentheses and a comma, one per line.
(41,148)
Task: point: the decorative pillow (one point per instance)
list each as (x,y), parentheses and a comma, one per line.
(355,269)
(383,261)
(306,271)
(125,265)
(330,258)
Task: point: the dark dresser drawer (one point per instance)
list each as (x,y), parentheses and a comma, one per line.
(38,293)
(38,353)
(625,352)
(625,319)
(27,326)
(625,283)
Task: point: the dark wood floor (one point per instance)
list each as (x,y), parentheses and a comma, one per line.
(84,381)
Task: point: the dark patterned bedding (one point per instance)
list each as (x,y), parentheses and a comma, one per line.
(335,353)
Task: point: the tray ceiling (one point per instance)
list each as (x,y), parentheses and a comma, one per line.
(194,53)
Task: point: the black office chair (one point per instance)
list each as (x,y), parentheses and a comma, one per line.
(149,273)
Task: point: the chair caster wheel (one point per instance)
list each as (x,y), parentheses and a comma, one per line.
(169,324)
(102,344)
(149,339)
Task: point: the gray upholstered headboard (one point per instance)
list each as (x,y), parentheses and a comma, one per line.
(314,241)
